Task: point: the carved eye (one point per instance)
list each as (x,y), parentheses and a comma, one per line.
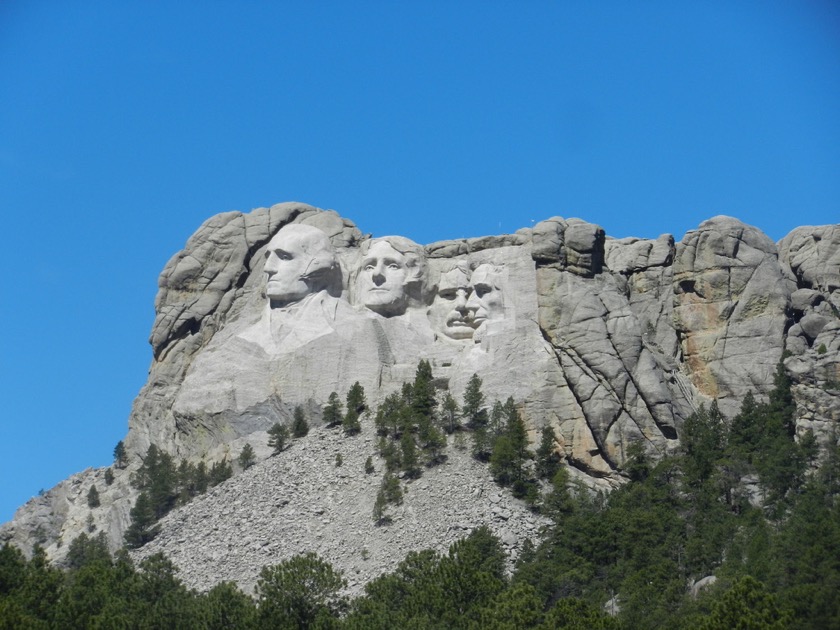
(369,267)
(394,266)
(447,294)
(481,290)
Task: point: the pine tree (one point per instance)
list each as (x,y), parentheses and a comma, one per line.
(247,458)
(302,592)
(299,425)
(142,528)
(473,407)
(423,401)
(219,472)
(356,399)
(450,413)
(158,477)
(389,415)
(409,456)
(109,477)
(498,421)
(278,436)
(332,411)
(548,460)
(391,490)
(93,497)
(351,424)
(515,430)
(432,441)
(120,455)
(379,515)
(369,469)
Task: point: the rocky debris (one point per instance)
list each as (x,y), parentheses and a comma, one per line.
(299,501)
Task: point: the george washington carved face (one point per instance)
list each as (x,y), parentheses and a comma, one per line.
(299,261)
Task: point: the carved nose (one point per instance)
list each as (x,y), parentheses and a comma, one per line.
(461,303)
(378,276)
(472,303)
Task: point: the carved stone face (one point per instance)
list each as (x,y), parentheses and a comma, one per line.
(298,261)
(382,280)
(486,302)
(450,313)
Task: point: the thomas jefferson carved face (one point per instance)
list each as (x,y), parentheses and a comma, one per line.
(486,301)
(450,313)
(390,275)
(299,260)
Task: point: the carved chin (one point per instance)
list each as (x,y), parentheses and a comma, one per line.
(384,304)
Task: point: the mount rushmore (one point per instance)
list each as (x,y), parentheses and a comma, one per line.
(611,342)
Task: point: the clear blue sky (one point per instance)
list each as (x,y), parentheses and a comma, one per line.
(124,125)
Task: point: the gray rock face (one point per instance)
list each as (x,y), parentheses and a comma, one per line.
(609,341)
(812,258)
(730,309)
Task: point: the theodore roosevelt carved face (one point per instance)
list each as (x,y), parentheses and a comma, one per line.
(449,312)
(299,261)
(390,275)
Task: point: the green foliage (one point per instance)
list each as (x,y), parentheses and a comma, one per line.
(701,443)
(356,398)
(575,614)
(747,605)
(369,469)
(332,413)
(157,478)
(761,437)
(120,455)
(822,349)
(451,414)
(93,497)
(409,456)
(351,423)
(339,460)
(432,591)
(300,427)
(423,401)
(225,606)
(389,416)
(85,550)
(109,476)
(219,472)
(143,518)
(482,444)
(356,406)
(278,437)
(432,441)
(473,408)
(247,457)
(548,459)
(298,592)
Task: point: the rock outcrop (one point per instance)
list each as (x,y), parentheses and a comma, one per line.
(611,342)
